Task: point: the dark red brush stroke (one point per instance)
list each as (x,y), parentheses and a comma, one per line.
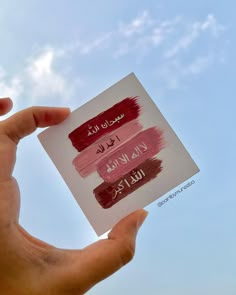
(129,107)
(104,193)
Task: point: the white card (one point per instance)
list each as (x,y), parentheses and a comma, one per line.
(117,153)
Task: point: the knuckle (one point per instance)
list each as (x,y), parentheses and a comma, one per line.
(127,252)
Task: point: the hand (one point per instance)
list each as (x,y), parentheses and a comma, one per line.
(30,266)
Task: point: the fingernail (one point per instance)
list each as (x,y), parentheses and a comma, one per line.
(142,217)
(68,109)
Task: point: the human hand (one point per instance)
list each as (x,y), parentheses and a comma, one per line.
(31,266)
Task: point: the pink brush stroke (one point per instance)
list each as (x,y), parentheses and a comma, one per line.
(143,146)
(86,162)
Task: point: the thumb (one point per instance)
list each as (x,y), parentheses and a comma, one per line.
(101,259)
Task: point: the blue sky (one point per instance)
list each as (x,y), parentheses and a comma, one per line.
(66,52)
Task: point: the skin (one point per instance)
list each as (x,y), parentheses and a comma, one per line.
(31,266)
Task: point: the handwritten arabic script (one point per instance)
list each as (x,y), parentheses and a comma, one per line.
(128,182)
(145,145)
(109,193)
(94,129)
(126,157)
(105,146)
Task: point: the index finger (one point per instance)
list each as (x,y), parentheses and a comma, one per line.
(27,121)
(5,105)
(20,125)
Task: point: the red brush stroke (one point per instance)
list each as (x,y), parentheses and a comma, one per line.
(106,194)
(129,107)
(141,147)
(86,162)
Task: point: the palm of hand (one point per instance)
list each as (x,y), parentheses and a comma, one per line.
(30,266)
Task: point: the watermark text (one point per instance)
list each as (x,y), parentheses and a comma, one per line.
(179,191)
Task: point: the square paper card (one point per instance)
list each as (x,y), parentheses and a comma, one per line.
(117,153)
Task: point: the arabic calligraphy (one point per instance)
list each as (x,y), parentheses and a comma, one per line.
(105,146)
(126,157)
(109,193)
(118,115)
(127,183)
(94,129)
(145,145)
(86,162)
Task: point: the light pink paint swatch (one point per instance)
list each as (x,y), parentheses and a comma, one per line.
(86,162)
(143,146)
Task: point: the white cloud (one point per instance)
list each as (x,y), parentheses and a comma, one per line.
(45,81)
(212,24)
(151,34)
(196,29)
(98,43)
(84,47)
(145,34)
(199,65)
(10,88)
(183,43)
(173,73)
(136,26)
(148,39)
(38,81)
(144,38)
(163,29)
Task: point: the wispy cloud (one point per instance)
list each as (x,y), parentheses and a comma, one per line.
(96,44)
(137,25)
(209,25)
(86,47)
(163,44)
(175,71)
(148,35)
(145,35)
(199,64)
(39,81)
(45,81)
(12,87)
